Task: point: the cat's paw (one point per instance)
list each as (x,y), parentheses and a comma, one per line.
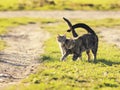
(75,58)
(62,59)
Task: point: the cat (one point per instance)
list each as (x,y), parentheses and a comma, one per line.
(89,41)
(69,46)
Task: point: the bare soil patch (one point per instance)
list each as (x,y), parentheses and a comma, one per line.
(110,35)
(20,58)
(60,14)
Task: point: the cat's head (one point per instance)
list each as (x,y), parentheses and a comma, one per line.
(61,38)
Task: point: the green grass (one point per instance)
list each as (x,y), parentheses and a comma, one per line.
(59,5)
(69,75)
(12,22)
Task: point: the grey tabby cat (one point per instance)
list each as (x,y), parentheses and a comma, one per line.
(77,45)
(69,46)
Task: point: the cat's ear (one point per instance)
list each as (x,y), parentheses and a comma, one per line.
(65,34)
(58,35)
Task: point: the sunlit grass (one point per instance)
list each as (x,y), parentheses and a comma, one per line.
(59,5)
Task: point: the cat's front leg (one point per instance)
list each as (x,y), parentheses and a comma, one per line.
(64,56)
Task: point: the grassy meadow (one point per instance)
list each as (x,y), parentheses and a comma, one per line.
(70,75)
(6,5)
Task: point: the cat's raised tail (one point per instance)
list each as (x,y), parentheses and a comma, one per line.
(78,25)
(85,26)
(71,27)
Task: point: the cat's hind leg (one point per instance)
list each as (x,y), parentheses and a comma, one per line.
(75,57)
(88,54)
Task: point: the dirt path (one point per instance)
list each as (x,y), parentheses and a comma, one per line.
(24,46)
(110,35)
(60,14)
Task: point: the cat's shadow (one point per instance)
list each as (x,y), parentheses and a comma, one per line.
(107,62)
(104,61)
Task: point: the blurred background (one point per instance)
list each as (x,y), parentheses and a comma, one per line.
(59,5)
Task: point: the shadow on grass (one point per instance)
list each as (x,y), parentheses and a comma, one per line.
(104,61)
(108,62)
(48,58)
(107,85)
